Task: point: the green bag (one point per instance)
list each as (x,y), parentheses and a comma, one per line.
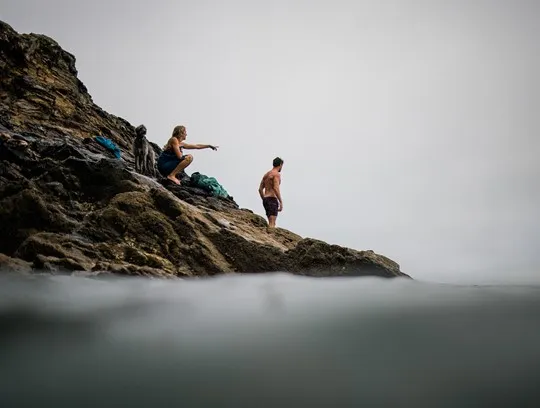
(209,184)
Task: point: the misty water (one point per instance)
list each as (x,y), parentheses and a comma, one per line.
(271,340)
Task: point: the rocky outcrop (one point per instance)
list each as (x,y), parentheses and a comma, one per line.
(67,205)
(41,94)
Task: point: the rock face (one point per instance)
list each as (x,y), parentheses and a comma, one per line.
(41,94)
(67,205)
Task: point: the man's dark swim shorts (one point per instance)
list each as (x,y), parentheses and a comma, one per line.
(271,205)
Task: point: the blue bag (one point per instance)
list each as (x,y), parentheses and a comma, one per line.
(110,145)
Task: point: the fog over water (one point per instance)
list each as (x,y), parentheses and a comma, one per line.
(267,340)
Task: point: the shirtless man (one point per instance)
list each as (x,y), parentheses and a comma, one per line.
(270,193)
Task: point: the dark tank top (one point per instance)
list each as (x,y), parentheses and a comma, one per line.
(169,150)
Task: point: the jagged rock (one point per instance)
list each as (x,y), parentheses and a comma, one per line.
(26,213)
(317,258)
(9,264)
(41,93)
(68,206)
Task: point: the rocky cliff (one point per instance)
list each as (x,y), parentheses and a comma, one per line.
(67,205)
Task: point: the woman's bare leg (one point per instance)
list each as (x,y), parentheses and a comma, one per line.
(183,164)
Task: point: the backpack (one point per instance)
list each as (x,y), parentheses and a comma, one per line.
(209,184)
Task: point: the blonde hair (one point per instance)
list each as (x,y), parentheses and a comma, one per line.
(179,131)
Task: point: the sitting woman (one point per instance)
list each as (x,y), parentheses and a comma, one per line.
(172,161)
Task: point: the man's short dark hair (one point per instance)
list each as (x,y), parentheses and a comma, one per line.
(277,162)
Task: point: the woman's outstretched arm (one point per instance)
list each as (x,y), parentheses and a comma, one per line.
(198,146)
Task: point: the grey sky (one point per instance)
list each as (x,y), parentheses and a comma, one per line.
(407,127)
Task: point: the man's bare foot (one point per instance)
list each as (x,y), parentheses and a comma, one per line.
(173,179)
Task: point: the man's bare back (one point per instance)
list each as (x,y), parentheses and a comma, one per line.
(269,179)
(270,193)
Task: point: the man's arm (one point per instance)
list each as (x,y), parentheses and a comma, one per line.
(277,182)
(198,146)
(261,188)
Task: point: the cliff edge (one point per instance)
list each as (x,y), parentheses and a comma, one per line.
(69,206)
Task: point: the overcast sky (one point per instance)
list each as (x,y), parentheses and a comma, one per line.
(407,127)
